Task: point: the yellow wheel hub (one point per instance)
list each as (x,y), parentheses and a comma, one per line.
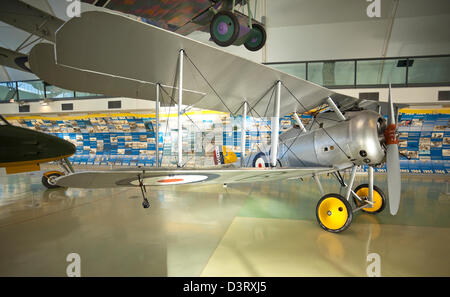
(332,213)
(377,200)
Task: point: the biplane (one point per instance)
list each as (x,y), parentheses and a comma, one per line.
(121,56)
(220,18)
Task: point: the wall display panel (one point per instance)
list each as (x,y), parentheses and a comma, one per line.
(129,139)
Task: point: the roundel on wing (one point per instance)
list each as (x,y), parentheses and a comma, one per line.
(171,180)
(260,161)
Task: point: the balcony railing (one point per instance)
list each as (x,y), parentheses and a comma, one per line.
(371,73)
(37,90)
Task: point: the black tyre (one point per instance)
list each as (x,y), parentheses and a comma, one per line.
(379,199)
(334,213)
(256,40)
(224,28)
(47,180)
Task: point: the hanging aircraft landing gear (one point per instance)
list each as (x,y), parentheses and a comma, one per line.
(256,39)
(48,179)
(224,28)
(379,199)
(334,213)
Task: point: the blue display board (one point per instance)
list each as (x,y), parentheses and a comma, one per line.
(424,139)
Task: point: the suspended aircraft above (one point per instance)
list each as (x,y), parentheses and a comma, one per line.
(342,136)
(226,25)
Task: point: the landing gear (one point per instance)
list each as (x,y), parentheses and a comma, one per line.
(48,179)
(256,39)
(145,203)
(334,213)
(224,28)
(379,200)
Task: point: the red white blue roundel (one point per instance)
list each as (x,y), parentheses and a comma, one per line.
(170,180)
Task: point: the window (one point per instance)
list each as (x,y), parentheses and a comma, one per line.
(444,96)
(24,108)
(67,106)
(114,104)
(375,96)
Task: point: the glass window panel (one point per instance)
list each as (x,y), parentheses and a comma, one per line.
(429,70)
(376,72)
(56,92)
(29,90)
(295,69)
(8,91)
(85,94)
(333,73)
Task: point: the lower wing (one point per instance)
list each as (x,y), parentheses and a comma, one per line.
(165,177)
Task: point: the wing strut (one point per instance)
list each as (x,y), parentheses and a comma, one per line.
(180,102)
(243,132)
(275,131)
(157,126)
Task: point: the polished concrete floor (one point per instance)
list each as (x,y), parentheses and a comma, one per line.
(264,229)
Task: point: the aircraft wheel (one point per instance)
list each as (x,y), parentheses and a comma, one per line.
(257,39)
(334,213)
(48,179)
(379,200)
(224,28)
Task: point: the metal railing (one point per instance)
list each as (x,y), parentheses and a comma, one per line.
(372,72)
(37,90)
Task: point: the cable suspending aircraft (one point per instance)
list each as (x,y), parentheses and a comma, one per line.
(106,57)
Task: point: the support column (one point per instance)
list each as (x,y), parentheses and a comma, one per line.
(243,132)
(157,126)
(180,102)
(275,127)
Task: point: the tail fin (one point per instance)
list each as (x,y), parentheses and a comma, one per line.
(222,156)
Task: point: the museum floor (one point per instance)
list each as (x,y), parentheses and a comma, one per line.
(265,229)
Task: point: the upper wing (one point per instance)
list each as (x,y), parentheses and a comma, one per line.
(167,177)
(119,46)
(42,63)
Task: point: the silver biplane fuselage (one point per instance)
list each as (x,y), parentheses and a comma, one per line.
(357,141)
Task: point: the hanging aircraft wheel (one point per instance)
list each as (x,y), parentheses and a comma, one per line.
(224,28)
(334,213)
(257,38)
(379,200)
(48,179)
